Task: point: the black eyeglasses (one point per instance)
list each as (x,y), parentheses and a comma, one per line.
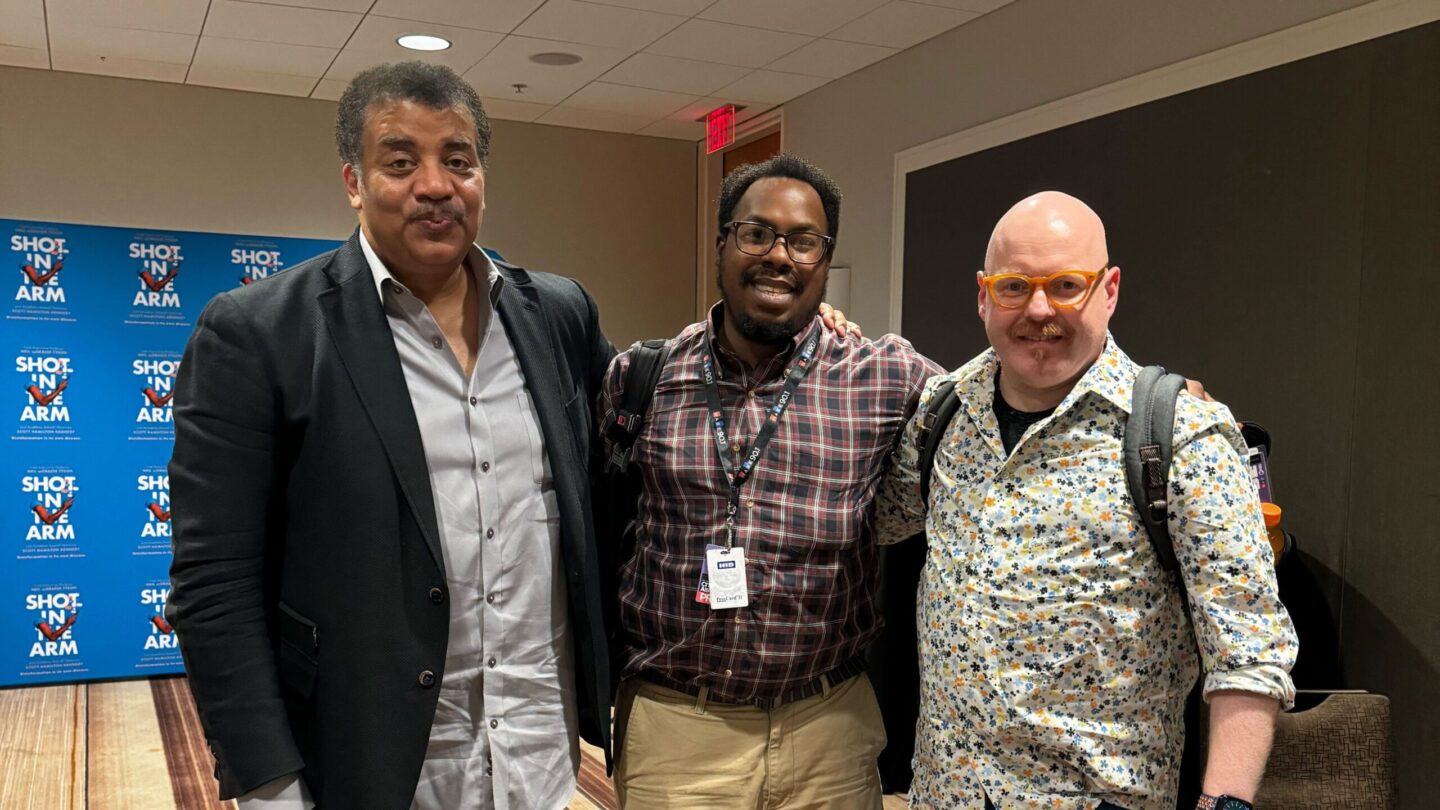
(757,239)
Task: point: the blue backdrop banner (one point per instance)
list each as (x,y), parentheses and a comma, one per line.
(93,336)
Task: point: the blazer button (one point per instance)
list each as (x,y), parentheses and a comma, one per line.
(437,596)
(427,679)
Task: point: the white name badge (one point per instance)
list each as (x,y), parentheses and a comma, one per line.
(726,570)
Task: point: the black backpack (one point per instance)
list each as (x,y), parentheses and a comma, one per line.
(617,488)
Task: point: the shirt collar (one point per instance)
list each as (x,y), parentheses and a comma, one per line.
(475,257)
(1111,377)
(715,322)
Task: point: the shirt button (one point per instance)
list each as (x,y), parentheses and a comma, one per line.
(437,596)
(491,662)
(435,342)
(427,679)
(735,446)
(474,400)
(490,598)
(485,466)
(494,723)
(728,673)
(737,620)
(750,394)
(489,533)
(750,504)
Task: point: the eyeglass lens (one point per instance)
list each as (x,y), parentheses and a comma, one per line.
(1062,288)
(757,240)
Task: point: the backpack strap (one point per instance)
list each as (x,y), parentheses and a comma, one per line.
(647,359)
(933,423)
(1149,433)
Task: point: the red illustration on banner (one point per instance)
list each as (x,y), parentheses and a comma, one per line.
(155,399)
(55,634)
(36,277)
(48,517)
(158,285)
(42,398)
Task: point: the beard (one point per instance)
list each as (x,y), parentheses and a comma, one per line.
(772,333)
(769,333)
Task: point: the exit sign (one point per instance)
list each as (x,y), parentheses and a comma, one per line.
(719,128)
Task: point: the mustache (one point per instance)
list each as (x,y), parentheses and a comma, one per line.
(763,273)
(450,211)
(1047,329)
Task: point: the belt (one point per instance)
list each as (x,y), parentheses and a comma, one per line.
(830,680)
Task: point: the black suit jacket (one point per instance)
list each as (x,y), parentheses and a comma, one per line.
(308,589)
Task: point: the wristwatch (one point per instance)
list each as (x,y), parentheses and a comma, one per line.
(1208,802)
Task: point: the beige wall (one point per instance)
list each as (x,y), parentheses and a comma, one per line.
(615,211)
(1025,54)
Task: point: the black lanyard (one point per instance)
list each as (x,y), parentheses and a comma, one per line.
(736,478)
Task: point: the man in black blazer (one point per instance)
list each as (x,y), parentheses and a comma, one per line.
(310,587)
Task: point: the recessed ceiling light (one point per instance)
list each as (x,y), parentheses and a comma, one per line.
(423,42)
(555,58)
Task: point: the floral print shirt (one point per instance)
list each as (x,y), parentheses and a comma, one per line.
(1055,651)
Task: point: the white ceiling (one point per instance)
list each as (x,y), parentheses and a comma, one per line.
(647,66)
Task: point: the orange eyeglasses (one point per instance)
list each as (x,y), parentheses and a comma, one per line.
(1066,289)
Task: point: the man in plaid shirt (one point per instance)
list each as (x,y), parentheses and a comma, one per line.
(750,596)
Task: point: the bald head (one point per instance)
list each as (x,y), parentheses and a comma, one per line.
(1044,228)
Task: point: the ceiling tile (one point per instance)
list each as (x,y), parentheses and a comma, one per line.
(830,58)
(812,17)
(292,26)
(487,15)
(218,53)
(509,64)
(620,98)
(177,16)
(688,8)
(22,24)
(594,119)
(24,57)
(727,44)
(329,89)
(772,87)
(978,6)
(676,75)
(679,130)
(359,6)
(374,43)
(508,110)
(253,81)
(104,43)
(611,26)
(902,24)
(80,61)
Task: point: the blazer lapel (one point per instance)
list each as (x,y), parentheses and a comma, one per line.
(362,338)
(529,332)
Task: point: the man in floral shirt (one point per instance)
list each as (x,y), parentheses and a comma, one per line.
(1055,651)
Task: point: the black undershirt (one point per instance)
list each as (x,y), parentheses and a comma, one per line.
(1014,423)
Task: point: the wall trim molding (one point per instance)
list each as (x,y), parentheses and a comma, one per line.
(1330,33)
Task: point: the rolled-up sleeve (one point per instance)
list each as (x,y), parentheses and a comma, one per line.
(1246,639)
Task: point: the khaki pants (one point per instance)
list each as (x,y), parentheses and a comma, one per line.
(678,751)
